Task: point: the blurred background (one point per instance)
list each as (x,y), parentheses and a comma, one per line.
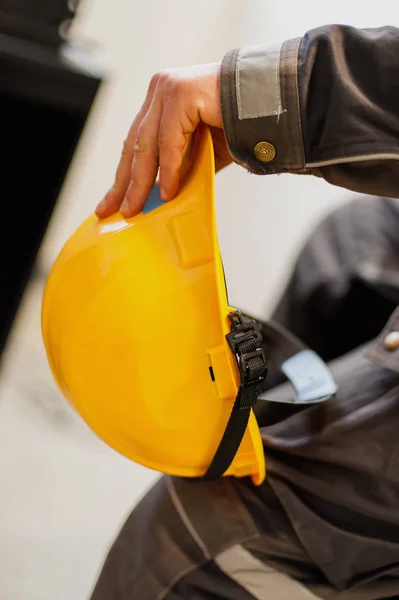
(72,77)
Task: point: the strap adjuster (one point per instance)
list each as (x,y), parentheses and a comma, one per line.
(245,341)
(242,330)
(248,375)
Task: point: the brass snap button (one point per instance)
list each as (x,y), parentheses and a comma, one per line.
(264,152)
(391,341)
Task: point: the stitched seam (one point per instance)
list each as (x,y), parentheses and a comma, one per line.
(345,145)
(185,519)
(302,158)
(190,569)
(293,117)
(241,542)
(278,82)
(379,156)
(290,73)
(262,114)
(278,165)
(338,146)
(228,75)
(239,104)
(286,84)
(232,94)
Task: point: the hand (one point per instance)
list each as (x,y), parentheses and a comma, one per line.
(177,100)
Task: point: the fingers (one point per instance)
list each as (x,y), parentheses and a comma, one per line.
(177,100)
(171,143)
(114,197)
(160,143)
(144,167)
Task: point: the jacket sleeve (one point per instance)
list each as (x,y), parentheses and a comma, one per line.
(326,104)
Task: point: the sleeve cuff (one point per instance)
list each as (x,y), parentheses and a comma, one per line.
(260,108)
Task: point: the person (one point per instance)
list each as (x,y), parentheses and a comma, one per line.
(325,523)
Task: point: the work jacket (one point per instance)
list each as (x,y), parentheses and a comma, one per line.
(325,523)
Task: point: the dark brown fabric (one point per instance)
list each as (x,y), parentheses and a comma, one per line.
(284,131)
(375,177)
(348,92)
(334,468)
(328,512)
(343,82)
(345,283)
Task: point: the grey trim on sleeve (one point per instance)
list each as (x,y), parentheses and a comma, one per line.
(253,84)
(258,82)
(259,579)
(352,159)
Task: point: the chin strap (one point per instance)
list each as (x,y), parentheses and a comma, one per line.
(309,376)
(245,341)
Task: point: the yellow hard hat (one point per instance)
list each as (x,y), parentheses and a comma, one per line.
(144,345)
(134,320)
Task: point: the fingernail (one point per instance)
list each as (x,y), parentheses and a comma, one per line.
(125,208)
(163,194)
(101,205)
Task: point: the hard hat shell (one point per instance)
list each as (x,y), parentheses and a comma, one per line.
(134,320)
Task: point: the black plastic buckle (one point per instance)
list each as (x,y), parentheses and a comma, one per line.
(245,374)
(242,330)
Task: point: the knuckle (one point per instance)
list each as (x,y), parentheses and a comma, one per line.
(139,146)
(137,184)
(126,147)
(173,84)
(155,79)
(161,79)
(133,184)
(164,74)
(163,141)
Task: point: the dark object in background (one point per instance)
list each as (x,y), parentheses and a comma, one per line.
(41,21)
(44,104)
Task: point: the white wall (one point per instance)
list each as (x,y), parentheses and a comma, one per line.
(261,220)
